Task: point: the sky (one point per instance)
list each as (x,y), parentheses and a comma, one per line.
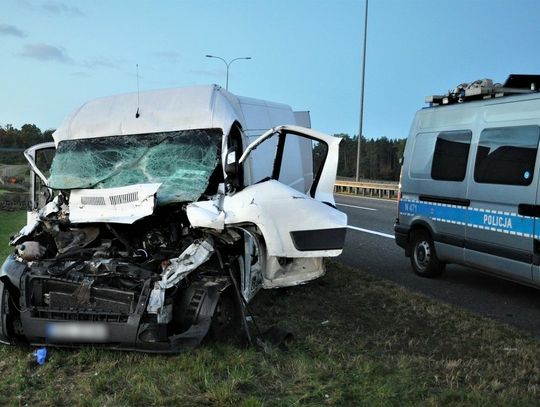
(57,54)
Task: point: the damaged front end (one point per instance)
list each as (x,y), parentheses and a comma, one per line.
(152,285)
(144,242)
(115,262)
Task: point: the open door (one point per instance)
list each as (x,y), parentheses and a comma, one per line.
(40,159)
(301,145)
(298,221)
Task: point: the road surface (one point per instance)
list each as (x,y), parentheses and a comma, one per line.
(370,247)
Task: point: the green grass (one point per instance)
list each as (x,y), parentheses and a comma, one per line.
(10,223)
(358,340)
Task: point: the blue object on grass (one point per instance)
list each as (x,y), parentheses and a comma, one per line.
(41,355)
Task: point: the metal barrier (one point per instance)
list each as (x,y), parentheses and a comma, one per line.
(387,190)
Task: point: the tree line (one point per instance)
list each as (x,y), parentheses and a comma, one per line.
(27,136)
(379,158)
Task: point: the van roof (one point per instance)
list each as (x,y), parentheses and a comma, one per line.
(492,111)
(194,107)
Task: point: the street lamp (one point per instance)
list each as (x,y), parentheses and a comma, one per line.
(358,151)
(227,64)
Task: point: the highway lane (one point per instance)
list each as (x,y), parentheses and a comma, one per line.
(378,254)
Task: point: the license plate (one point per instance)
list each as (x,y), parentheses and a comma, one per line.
(77,332)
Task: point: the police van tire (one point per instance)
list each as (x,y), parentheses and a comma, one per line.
(424,260)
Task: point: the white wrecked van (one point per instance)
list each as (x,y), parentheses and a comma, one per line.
(161,214)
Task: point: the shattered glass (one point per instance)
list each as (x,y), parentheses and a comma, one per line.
(182,161)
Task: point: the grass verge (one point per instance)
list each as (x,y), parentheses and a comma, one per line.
(10,223)
(358,340)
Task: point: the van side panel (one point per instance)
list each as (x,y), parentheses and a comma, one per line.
(504,176)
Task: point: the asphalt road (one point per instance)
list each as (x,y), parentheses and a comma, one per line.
(371,247)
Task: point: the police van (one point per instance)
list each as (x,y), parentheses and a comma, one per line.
(469,189)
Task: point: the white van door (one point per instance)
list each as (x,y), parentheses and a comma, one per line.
(295,226)
(503,194)
(321,187)
(40,159)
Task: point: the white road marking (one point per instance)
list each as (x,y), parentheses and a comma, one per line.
(360,197)
(358,207)
(373,232)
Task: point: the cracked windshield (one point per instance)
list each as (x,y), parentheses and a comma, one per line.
(182,161)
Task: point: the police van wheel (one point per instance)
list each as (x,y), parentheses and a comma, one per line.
(424,261)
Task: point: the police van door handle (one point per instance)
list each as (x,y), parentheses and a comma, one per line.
(529,210)
(445,200)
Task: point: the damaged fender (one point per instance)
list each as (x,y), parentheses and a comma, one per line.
(292,224)
(194,256)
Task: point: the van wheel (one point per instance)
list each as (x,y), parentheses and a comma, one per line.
(226,318)
(424,260)
(5,317)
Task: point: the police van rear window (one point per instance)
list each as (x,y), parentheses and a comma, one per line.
(507,155)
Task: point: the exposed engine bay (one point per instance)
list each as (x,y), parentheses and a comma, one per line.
(155,285)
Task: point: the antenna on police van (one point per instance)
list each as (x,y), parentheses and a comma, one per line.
(138,100)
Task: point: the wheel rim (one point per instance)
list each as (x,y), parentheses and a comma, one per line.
(422,255)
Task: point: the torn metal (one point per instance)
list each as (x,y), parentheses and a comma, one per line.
(194,256)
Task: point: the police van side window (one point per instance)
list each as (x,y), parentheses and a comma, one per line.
(451,155)
(422,156)
(441,155)
(507,155)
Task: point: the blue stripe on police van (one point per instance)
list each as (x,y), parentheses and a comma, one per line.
(478,218)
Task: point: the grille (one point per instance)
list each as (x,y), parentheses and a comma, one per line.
(124,198)
(93,200)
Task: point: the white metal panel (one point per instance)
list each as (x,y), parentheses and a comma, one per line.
(163,110)
(303,118)
(277,210)
(114,205)
(260,115)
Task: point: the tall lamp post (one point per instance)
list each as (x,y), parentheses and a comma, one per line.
(227,64)
(361,98)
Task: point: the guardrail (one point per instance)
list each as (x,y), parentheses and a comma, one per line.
(387,190)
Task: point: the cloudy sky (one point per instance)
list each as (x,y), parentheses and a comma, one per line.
(55,55)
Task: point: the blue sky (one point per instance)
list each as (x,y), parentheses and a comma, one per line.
(55,55)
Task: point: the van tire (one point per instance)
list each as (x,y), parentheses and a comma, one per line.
(424,260)
(5,317)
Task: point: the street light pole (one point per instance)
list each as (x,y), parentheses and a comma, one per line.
(227,64)
(362,98)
